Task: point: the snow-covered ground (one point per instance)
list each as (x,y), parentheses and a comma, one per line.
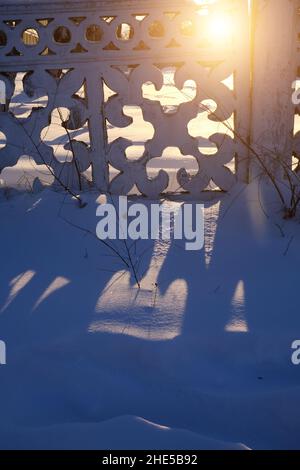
(198,358)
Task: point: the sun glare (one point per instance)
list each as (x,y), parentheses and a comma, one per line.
(220,27)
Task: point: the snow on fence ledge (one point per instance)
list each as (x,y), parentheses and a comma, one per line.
(89,62)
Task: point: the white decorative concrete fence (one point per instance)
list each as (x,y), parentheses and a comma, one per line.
(71,51)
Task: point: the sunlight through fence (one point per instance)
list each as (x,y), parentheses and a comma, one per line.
(186,69)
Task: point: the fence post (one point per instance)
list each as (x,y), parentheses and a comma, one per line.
(274,62)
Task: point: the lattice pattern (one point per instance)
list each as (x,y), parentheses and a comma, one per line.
(65,48)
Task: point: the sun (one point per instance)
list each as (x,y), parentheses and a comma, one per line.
(220,27)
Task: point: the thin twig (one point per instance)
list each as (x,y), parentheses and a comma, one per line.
(289,245)
(63,185)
